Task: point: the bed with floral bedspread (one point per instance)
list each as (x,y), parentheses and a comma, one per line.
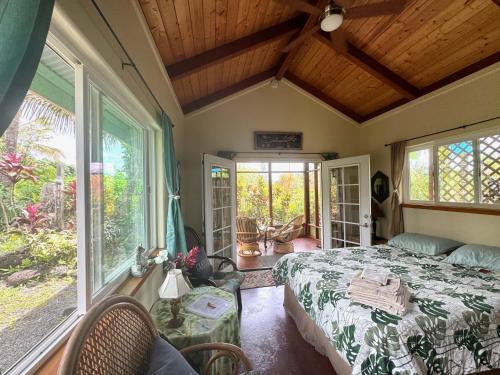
(451,327)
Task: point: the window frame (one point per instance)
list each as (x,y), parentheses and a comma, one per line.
(63,45)
(433,147)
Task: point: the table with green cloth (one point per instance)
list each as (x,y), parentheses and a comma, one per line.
(197,330)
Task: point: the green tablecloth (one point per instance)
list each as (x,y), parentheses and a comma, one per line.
(197,330)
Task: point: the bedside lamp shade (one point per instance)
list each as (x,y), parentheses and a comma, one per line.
(174,286)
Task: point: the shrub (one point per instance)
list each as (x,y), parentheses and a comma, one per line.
(48,248)
(11,241)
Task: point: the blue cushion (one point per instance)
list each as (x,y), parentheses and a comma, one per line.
(203,268)
(421,243)
(166,360)
(487,257)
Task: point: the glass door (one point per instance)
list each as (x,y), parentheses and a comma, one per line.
(346,202)
(219,186)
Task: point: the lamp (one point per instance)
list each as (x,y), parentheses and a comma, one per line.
(174,287)
(331,18)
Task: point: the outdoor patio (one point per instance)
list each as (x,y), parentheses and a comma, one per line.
(268,257)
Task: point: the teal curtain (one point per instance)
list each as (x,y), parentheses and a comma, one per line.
(175,238)
(24,25)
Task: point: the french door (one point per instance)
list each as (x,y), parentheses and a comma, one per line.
(346,202)
(219,213)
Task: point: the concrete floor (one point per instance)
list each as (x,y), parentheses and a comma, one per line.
(271,340)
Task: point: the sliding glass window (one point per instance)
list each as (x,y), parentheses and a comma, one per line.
(75,198)
(118,179)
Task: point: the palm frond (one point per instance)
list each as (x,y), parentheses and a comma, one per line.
(37,107)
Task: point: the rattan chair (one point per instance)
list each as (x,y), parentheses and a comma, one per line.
(116,337)
(282,238)
(248,236)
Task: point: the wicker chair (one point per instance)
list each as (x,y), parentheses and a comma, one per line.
(248,235)
(116,337)
(284,236)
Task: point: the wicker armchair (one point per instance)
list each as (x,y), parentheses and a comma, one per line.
(116,337)
(248,235)
(284,236)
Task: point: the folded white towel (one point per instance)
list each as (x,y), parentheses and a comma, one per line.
(377,276)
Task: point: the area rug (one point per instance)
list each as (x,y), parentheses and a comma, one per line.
(258,279)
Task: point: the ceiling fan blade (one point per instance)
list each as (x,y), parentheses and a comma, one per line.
(373,10)
(303,6)
(338,41)
(300,39)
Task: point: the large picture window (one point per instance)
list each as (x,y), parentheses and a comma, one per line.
(464,172)
(48,237)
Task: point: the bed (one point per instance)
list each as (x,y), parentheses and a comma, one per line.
(451,327)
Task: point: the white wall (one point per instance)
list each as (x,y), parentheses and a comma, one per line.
(230,126)
(473,99)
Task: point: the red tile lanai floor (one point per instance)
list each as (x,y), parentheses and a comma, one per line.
(300,244)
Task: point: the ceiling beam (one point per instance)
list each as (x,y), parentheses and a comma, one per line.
(311,21)
(234,48)
(373,67)
(462,73)
(242,85)
(323,97)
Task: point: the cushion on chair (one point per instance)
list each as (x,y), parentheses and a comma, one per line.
(166,360)
(203,268)
(229,281)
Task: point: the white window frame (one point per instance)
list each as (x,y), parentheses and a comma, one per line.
(36,356)
(433,146)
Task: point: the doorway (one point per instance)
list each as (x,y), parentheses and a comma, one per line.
(279,196)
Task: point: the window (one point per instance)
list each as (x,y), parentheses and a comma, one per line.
(118,197)
(420,176)
(43,287)
(467,171)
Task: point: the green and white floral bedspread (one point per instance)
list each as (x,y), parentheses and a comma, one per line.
(451,327)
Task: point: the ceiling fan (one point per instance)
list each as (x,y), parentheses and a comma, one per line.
(331,16)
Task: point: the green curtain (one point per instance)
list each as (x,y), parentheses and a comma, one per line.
(24,25)
(175,238)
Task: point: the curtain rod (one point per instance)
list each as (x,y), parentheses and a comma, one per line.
(447,130)
(130,60)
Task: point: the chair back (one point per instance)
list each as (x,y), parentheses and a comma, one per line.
(291,230)
(246,229)
(192,238)
(115,337)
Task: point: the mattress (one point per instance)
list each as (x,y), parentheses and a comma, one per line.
(452,325)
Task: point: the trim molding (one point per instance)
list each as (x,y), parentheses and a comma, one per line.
(469,210)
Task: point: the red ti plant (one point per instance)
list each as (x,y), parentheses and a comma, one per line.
(32,218)
(71,192)
(11,165)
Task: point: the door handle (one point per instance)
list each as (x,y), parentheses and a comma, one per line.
(364,225)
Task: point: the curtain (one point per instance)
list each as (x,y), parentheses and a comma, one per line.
(24,25)
(397,165)
(175,237)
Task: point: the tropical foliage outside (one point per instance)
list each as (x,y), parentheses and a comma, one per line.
(253,195)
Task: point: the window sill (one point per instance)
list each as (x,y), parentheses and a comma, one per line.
(469,210)
(129,287)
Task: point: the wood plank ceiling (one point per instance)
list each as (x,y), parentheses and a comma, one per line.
(214,48)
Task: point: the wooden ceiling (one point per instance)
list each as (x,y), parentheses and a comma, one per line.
(214,48)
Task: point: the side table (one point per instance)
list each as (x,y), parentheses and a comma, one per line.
(198,330)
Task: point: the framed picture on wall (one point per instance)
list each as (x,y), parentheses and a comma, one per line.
(278,141)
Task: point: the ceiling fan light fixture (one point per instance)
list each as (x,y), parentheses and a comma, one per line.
(331,18)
